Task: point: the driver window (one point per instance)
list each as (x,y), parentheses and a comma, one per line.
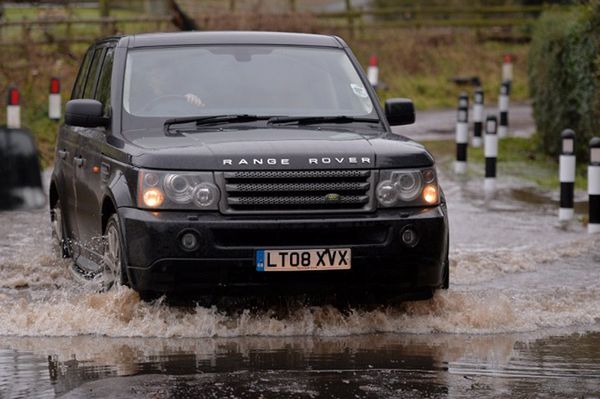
(80,82)
(90,84)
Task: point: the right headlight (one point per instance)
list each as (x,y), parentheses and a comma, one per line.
(409,187)
(177,190)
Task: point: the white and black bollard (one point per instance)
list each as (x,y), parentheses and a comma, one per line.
(373,71)
(462,134)
(54,100)
(507,69)
(567,175)
(491,154)
(594,186)
(503,108)
(477,117)
(13,108)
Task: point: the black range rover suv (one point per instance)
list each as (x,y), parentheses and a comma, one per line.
(242,160)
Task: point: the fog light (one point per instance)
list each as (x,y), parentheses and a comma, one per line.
(153,198)
(430,194)
(409,237)
(189,241)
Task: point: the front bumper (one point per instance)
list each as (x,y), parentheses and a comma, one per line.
(225,258)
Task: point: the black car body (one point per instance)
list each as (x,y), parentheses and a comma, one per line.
(220,198)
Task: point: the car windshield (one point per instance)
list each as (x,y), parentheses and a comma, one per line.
(243,79)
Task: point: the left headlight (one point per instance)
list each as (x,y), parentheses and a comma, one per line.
(177,190)
(410,187)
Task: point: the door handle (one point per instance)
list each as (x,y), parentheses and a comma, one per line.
(63,154)
(78,161)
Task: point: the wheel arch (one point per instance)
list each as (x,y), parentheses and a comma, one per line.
(117,194)
(108,209)
(53,195)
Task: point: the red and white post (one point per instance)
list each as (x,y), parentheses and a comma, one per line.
(507,69)
(13,108)
(373,71)
(54,100)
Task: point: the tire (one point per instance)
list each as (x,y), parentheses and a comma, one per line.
(60,241)
(113,270)
(446,283)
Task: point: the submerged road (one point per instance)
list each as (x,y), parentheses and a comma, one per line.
(521,320)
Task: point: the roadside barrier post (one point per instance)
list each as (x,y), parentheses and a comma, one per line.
(373,71)
(566,174)
(491,154)
(594,186)
(54,100)
(507,69)
(503,108)
(478,117)
(13,108)
(462,134)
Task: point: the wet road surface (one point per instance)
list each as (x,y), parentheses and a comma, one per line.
(521,320)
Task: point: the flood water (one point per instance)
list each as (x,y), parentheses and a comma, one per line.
(522,319)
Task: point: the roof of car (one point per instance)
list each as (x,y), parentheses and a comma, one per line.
(224,37)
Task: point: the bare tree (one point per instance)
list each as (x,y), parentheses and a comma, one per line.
(180,18)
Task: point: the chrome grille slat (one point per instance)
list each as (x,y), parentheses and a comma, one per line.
(297,190)
(296,200)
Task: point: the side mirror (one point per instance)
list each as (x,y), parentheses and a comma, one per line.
(85,113)
(399,111)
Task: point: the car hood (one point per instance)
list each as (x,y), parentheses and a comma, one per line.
(273,148)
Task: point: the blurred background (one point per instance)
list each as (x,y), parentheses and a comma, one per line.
(420,45)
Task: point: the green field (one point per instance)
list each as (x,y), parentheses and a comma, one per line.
(414,63)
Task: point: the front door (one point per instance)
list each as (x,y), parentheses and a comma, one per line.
(88,181)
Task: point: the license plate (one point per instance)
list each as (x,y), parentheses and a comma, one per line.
(296,260)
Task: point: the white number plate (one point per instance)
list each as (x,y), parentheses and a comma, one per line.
(296,260)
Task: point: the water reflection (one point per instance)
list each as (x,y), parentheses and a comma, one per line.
(380,365)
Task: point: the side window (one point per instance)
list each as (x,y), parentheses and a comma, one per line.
(103,88)
(90,82)
(80,81)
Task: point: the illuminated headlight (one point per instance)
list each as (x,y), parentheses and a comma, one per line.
(177,190)
(410,187)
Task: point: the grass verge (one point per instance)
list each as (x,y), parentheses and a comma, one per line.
(517,157)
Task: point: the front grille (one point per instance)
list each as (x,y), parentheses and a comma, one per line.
(304,190)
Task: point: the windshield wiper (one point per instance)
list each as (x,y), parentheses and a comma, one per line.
(310,120)
(212,119)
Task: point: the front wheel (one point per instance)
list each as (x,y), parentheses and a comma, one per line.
(112,260)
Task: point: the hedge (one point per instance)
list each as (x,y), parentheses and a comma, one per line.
(564,76)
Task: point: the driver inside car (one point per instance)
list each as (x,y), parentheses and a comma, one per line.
(163,90)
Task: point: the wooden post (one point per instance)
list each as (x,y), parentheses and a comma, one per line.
(232,5)
(104,13)
(350,18)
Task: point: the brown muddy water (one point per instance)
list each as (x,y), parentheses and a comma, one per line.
(522,319)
